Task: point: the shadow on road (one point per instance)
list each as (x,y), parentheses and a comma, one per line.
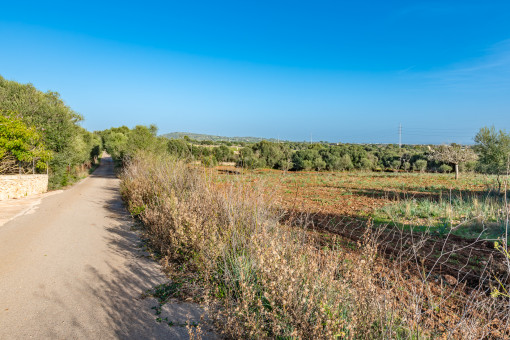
(121,292)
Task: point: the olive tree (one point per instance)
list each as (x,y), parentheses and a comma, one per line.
(494,150)
(453,154)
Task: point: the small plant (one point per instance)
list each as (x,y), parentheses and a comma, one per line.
(502,291)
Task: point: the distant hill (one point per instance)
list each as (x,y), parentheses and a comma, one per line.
(201,137)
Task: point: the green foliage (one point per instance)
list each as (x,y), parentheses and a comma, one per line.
(209,161)
(502,291)
(420,165)
(123,142)
(21,143)
(445,168)
(223,153)
(57,123)
(395,164)
(179,148)
(366,164)
(116,144)
(308,159)
(494,150)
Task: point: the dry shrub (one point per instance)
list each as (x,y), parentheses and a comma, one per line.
(266,279)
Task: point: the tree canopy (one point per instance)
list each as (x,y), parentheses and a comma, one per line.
(58,125)
(494,149)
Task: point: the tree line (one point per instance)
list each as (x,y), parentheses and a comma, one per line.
(489,154)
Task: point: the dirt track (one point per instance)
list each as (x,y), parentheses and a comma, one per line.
(74,269)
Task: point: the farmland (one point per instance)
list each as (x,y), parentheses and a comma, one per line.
(454,221)
(364,195)
(322,241)
(314,254)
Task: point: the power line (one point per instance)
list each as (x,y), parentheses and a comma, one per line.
(400,136)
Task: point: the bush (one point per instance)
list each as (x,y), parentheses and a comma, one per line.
(395,164)
(20,146)
(445,168)
(209,161)
(420,165)
(365,164)
(223,153)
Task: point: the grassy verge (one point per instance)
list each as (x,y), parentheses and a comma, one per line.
(266,279)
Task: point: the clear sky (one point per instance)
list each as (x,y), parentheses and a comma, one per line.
(347,71)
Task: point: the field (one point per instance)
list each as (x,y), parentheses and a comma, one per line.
(455,221)
(358,194)
(339,255)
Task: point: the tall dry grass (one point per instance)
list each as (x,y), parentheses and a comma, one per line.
(267,279)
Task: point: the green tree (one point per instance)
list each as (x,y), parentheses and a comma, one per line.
(57,123)
(144,138)
(180,148)
(395,164)
(493,148)
(20,144)
(345,163)
(452,154)
(223,153)
(420,165)
(115,144)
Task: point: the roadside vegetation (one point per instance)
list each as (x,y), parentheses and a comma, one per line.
(268,272)
(277,249)
(296,240)
(41,133)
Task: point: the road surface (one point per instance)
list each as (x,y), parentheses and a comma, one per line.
(73,268)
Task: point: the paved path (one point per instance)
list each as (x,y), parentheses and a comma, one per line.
(12,208)
(73,268)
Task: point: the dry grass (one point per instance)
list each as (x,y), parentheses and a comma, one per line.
(264,278)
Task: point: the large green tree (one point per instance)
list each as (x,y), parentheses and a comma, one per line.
(58,124)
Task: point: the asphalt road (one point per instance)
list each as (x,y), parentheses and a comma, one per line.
(73,268)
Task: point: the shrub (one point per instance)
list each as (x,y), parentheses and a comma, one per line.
(345,163)
(445,168)
(420,165)
(395,164)
(209,161)
(20,144)
(365,164)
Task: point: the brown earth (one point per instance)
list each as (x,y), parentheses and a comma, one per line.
(341,203)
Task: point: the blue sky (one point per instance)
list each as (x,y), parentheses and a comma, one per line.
(337,70)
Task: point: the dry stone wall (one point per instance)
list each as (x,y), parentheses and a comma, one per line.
(17,186)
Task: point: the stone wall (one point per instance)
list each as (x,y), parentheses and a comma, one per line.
(17,186)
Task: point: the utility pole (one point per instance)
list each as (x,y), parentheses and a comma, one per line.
(400,136)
